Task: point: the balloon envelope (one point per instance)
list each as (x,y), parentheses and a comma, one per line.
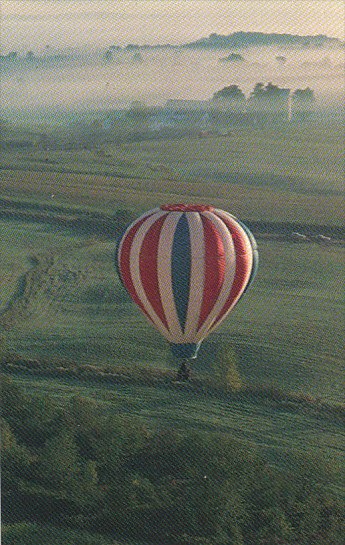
(186,267)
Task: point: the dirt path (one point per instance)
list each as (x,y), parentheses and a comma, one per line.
(42,275)
(28,285)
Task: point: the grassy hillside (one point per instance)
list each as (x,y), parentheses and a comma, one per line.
(277,431)
(144,463)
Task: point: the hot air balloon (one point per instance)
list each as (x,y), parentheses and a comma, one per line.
(186,266)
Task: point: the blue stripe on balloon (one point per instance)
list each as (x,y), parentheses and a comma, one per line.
(181,268)
(254,270)
(254,246)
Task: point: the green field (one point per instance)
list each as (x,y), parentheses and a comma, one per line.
(288,329)
(298,168)
(286,332)
(62,306)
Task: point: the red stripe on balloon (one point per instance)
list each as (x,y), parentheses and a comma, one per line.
(124,264)
(214,268)
(242,271)
(148,266)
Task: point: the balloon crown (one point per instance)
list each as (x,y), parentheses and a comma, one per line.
(187,207)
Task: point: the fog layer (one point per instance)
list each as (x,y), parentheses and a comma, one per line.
(98,80)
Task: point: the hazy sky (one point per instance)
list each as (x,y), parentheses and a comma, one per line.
(32,23)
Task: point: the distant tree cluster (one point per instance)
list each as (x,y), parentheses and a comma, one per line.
(232,92)
(111,53)
(233,57)
(268,96)
(266,99)
(78,467)
(13,57)
(258,39)
(10,57)
(269,92)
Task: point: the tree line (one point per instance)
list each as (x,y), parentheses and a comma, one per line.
(74,465)
(261,91)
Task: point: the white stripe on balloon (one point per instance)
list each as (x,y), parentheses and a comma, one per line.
(165,277)
(124,235)
(135,272)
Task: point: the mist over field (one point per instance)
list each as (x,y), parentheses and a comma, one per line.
(113,78)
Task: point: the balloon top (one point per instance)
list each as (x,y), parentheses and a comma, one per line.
(187,207)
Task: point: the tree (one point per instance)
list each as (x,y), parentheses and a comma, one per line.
(14,403)
(84,422)
(221,360)
(12,56)
(258,91)
(269,100)
(3,347)
(59,461)
(233,57)
(15,468)
(138,117)
(232,92)
(305,96)
(268,523)
(229,100)
(108,55)
(268,92)
(118,439)
(302,103)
